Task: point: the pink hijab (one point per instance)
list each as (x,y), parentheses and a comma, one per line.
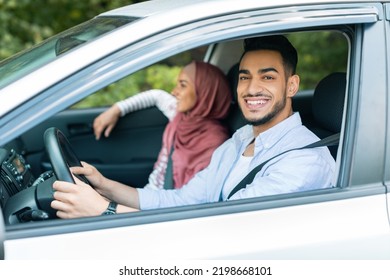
(196,134)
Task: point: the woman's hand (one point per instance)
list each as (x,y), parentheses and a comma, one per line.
(106,121)
(77,200)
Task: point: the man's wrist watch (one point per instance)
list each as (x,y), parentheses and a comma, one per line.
(111,209)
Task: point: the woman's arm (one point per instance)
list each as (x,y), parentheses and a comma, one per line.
(107,120)
(163,100)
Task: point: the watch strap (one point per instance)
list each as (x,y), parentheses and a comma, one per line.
(111,209)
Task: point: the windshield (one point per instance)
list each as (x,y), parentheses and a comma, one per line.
(27,61)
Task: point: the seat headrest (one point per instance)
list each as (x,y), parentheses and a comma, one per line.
(328,101)
(232,77)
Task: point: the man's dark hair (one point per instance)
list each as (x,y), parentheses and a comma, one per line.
(277,43)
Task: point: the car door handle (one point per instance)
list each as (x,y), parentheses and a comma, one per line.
(80,128)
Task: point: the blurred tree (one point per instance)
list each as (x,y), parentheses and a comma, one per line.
(316,58)
(24,23)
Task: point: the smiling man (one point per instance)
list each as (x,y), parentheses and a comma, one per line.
(267,83)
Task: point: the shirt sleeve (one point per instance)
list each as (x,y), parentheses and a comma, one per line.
(163,100)
(193,193)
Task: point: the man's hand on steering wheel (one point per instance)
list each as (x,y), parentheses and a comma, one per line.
(70,200)
(77,200)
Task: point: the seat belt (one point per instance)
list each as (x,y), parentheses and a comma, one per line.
(328,141)
(168,179)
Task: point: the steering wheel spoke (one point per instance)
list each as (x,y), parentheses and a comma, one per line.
(61,155)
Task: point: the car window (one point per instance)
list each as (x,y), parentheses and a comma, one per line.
(162,75)
(317,59)
(320,53)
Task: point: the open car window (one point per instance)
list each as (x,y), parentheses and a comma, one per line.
(127,148)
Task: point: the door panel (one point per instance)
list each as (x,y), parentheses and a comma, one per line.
(341,229)
(127,155)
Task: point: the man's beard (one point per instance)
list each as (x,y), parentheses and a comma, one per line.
(276,109)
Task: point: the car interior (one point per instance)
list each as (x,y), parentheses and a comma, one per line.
(123,156)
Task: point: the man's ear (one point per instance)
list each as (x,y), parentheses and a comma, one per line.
(292,85)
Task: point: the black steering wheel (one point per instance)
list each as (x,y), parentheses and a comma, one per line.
(61,155)
(34,203)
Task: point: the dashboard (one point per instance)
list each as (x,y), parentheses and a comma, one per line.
(15,174)
(23,196)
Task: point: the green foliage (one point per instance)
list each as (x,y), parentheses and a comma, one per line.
(162,76)
(25,23)
(159,76)
(318,61)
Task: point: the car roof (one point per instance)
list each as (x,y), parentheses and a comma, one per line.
(149,8)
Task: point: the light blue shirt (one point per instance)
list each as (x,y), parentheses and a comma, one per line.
(298,170)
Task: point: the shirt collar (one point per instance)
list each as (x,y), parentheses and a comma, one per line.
(269,137)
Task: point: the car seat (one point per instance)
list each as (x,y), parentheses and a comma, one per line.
(235,120)
(328,106)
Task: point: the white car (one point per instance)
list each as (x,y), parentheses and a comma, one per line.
(38,87)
